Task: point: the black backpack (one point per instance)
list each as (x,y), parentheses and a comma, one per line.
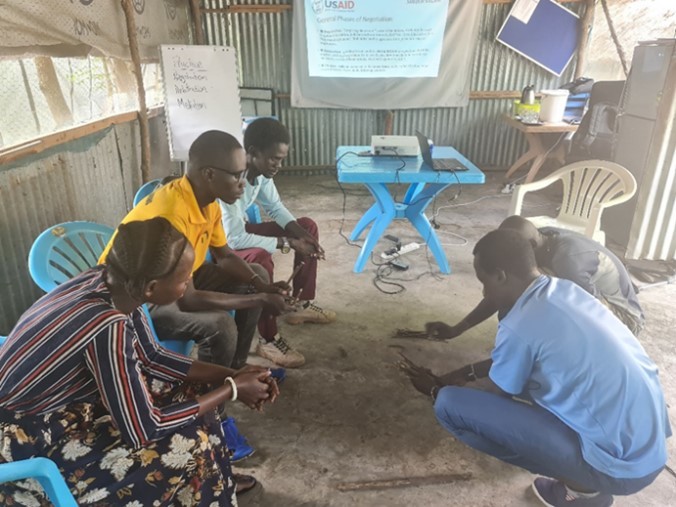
(595,136)
(598,140)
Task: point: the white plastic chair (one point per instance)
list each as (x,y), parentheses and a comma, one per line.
(589,187)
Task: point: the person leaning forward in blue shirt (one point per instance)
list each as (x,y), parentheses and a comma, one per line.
(596,428)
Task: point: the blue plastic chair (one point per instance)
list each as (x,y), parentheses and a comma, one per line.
(145,190)
(182,347)
(66,250)
(46,472)
(253,214)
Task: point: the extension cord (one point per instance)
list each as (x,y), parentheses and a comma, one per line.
(402,251)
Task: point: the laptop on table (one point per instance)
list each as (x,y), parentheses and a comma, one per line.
(437,164)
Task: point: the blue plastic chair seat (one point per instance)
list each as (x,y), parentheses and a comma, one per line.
(46,472)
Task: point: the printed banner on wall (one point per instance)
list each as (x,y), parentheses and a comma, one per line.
(332,67)
(361,38)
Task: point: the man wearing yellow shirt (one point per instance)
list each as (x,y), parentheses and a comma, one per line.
(216,170)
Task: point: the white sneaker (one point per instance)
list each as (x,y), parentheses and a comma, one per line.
(310,312)
(280,352)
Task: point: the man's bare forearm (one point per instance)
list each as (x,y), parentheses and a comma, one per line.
(202,300)
(484,310)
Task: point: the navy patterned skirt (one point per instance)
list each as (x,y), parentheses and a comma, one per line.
(189,468)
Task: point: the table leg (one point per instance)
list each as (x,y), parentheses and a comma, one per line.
(371,214)
(413,190)
(416,215)
(535,148)
(535,166)
(385,211)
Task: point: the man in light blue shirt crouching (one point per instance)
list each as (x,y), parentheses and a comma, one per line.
(597,423)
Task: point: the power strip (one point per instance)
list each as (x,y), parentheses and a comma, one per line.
(402,251)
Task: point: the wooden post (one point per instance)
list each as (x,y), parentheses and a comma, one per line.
(143,112)
(585,34)
(196,12)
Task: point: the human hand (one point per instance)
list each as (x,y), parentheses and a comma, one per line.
(319,251)
(273,391)
(303,246)
(273,388)
(422,378)
(283,287)
(441,331)
(278,303)
(271,288)
(253,388)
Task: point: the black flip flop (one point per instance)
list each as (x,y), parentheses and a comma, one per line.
(243,479)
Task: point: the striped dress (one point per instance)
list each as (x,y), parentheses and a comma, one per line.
(89,387)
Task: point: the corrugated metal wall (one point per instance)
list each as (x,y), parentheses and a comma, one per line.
(263,43)
(653,230)
(93,178)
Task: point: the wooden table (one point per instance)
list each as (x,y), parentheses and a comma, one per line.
(424,185)
(541,139)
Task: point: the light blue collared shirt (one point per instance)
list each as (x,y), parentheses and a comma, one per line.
(578,361)
(263,192)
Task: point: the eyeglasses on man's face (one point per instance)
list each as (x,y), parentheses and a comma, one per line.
(238,176)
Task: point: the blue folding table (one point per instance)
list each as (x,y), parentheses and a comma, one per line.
(424,184)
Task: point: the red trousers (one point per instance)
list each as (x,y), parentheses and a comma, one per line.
(306,278)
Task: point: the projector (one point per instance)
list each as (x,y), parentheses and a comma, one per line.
(402,146)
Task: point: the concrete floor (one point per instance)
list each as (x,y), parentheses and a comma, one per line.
(350,415)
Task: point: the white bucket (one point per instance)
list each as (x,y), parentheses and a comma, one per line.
(553,105)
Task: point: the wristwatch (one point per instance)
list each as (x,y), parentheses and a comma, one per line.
(286,247)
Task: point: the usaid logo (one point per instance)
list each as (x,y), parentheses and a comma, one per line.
(321,6)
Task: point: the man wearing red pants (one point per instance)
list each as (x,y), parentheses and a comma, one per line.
(266,142)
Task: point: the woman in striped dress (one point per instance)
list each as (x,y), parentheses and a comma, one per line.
(83,382)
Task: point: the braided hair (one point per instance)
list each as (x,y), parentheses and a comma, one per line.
(143,251)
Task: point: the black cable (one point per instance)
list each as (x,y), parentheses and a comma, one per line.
(342,220)
(383,271)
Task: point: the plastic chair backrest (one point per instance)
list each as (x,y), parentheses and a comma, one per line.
(46,473)
(145,190)
(66,250)
(589,187)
